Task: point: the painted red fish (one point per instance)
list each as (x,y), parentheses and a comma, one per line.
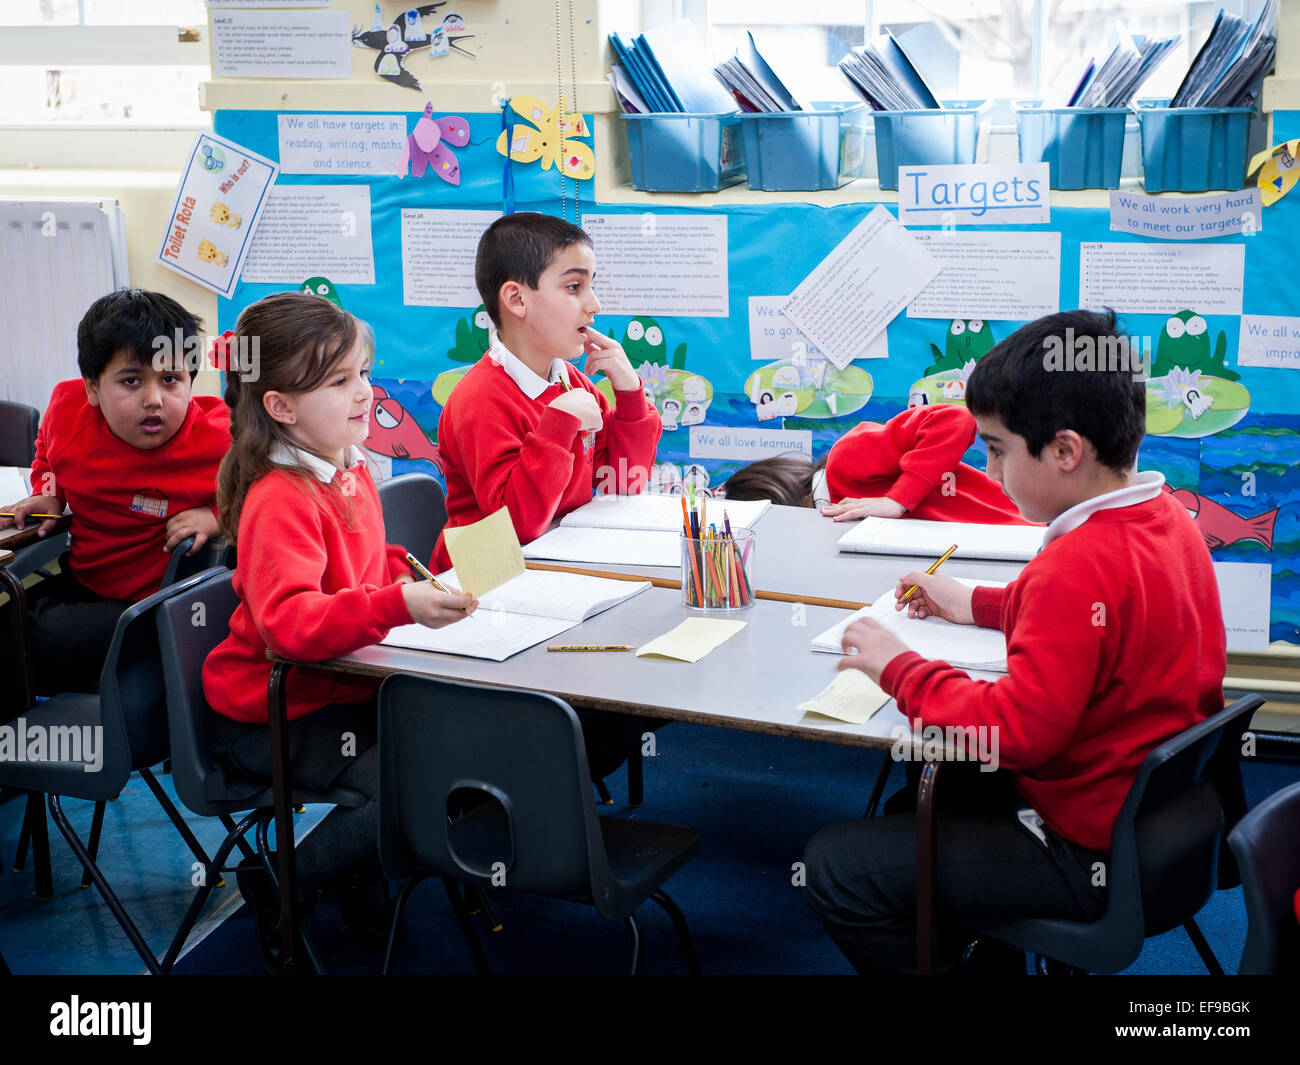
(1222,527)
(395,433)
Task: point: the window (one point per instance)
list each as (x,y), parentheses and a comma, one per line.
(123,73)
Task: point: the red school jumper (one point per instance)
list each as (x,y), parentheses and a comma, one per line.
(1115,642)
(501,448)
(121,496)
(313,583)
(906,459)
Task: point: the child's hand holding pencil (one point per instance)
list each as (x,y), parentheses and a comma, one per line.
(45,509)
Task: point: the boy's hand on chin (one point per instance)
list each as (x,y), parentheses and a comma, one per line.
(605,355)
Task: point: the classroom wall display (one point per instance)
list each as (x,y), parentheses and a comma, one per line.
(1225,433)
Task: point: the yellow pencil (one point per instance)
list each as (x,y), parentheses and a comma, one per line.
(938,562)
(10,514)
(414,563)
(590,647)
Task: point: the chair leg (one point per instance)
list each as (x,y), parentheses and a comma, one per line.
(174,815)
(927,844)
(679,926)
(264,855)
(114,904)
(35,830)
(1203,947)
(605,797)
(403,895)
(489,914)
(96,827)
(635,780)
(287,878)
(235,834)
(634,941)
(467,928)
(241,842)
(878,788)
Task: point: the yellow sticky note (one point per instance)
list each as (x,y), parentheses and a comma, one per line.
(852,696)
(485,554)
(692,639)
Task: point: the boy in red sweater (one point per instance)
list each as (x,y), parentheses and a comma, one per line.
(524,429)
(135,456)
(911,466)
(1115,642)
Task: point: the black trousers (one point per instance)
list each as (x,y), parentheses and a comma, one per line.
(861,875)
(71,630)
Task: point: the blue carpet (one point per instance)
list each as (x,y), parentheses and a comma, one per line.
(754,800)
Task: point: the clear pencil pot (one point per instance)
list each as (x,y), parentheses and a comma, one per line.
(716,572)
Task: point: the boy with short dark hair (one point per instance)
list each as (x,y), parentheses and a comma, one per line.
(523,429)
(135,456)
(1115,642)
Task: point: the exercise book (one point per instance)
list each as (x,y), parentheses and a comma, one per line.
(910,536)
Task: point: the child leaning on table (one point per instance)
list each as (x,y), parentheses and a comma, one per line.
(1115,643)
(135,456)
(315,580)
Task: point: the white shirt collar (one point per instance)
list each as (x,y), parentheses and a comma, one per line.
(530,384)
(289,455)
(1147,487)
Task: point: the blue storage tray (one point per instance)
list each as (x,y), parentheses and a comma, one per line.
(804,150)
(1083,147)
(685,152)
(1193,149)
(926,137)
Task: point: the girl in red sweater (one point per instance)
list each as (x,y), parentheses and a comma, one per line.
(911,467)
(315,580)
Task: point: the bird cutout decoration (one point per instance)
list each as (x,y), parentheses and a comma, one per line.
(322,287)
(543,140)
(208,253)
(1279,169)
(427,146)
(395,433)
(407,35)
(220,214)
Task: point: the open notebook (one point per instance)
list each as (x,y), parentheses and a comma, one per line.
(909,536)
(964,646)
(524,611)
(641,530)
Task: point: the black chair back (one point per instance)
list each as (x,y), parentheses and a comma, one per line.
(477,781)
(1266,844)
(415,510)
(18,426)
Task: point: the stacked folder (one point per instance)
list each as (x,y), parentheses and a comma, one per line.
(756,87)
(666,70)
(883,75)
(1231,64)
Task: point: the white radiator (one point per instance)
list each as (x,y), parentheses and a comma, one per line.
(57,256)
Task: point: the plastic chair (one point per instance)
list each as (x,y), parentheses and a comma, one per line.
(129,713)
(1164,858)
(415,510)
(201,784)
(1266,843)
(514,763)
(18,426)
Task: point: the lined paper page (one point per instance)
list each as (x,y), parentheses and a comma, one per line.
(661,513)
(571,597)
(910,536)
(610,547)
(485,634)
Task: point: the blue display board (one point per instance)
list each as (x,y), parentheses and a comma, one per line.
(1242,479)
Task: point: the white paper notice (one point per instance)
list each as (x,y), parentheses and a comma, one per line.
(1244,591)
(731,442)
(995,276)
(268,3)
(342,144)
(773,336)
(438,249)
(660,264)
(856,291)
(1161,278)
(1267,340)
(281,44)
(978,194)
(219,205)
(313,229)
(1187,217)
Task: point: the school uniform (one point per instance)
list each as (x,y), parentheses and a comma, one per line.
(121,498)
(502,444)
(915,460)
(1115,642)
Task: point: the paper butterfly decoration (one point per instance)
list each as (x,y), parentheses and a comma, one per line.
(543,142)
(427,146)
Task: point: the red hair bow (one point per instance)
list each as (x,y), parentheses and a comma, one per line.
(219,356)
